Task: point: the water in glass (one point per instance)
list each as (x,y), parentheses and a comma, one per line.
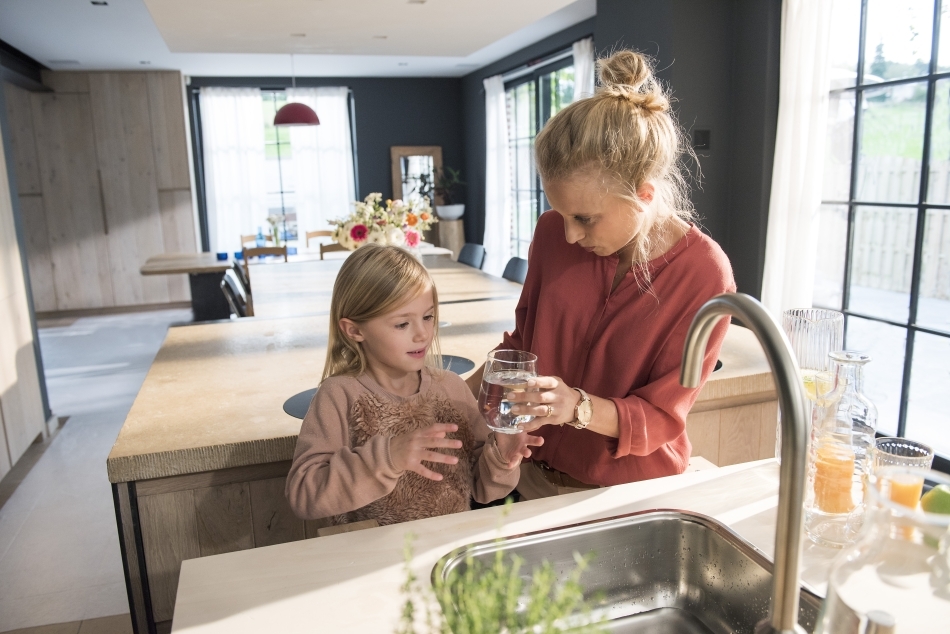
(505,371)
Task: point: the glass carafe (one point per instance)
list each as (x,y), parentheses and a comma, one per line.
(896,575)
(814,333)
(842,436)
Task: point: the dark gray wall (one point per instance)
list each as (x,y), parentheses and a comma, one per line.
(473,108)
(389,111)
(720,60)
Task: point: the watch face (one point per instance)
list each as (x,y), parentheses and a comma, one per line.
(584,411)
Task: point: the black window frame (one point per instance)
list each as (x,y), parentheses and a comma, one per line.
(911,326)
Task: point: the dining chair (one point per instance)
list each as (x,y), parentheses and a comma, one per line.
(234,295)
(473,255)
(331,248)
(253,238)
(317,234)
(253,252)
(516,270)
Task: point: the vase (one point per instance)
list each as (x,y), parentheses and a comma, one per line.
(450,212)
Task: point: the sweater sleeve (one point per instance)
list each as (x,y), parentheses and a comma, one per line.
(493,479)
(327,476)
(655,414)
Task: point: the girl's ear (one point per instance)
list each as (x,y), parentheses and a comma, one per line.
(351,329)
(645,192)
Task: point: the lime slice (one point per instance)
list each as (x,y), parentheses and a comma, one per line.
(936,500)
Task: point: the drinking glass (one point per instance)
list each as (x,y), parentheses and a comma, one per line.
(814,334)
(505,371)
(900,452)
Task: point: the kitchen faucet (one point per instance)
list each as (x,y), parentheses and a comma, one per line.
(783,615)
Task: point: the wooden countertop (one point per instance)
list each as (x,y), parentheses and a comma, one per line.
(351,582)
(214,394)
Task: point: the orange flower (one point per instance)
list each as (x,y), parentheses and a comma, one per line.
(411,220)
(424,216)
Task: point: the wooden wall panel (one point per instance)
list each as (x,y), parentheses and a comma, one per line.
(178,232)
(38,252)
(120,113)
(273,520)
(169,536)
(20,116)
(66,82)
(224,518)
(72,200)
(167,112)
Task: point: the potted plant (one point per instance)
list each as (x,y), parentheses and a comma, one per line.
(448,183)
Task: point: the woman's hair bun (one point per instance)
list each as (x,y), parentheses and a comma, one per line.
(628,75)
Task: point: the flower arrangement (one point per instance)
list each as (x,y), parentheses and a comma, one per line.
(395,222)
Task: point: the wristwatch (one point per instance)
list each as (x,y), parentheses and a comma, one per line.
(583,411)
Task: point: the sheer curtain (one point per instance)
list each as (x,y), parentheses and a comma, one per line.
(583,68)
(232,130)
(322,160)
(497,239)
(791,243)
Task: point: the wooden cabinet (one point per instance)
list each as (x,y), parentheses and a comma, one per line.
(104,184)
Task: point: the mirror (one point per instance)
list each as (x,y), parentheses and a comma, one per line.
(413,170)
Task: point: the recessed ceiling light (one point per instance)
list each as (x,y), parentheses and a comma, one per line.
(379,37)
(145,62)
(61,62)
(403,63)
(298,35)
(417,1)
(99,3)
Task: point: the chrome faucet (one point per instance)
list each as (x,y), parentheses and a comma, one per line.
(783,615)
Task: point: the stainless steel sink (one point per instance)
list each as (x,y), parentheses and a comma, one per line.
(655,571)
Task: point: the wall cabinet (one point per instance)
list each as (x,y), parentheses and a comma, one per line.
(104,184)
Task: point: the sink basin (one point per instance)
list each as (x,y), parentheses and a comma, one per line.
(655,571)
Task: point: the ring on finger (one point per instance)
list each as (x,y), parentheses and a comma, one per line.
(550,410)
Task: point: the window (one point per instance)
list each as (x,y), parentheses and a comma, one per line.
(532,99)
(279,171)
(884,246)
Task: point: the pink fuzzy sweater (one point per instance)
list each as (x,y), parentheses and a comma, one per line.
(342,467)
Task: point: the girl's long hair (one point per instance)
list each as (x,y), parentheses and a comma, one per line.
(374,280)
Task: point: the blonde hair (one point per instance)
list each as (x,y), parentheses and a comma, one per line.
(373,281)
(627,134)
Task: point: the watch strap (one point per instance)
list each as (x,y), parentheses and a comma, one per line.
(576,423)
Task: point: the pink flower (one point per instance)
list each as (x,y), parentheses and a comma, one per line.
(412,238)
(359,233)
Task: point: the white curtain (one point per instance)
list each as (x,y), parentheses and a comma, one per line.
(232,130)
(497,238)
(792,238)
(322,162)
(583,68)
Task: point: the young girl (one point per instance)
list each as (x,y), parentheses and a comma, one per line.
(389,435)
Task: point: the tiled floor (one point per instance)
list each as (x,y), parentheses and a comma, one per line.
(59,551)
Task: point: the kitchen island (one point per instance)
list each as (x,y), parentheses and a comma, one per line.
(351,582)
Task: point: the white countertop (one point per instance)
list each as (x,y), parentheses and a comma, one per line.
(350,582)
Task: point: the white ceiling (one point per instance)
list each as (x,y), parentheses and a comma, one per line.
(249,38)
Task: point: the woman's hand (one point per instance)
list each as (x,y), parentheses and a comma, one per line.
(408,451)
(516,447)
(548,399)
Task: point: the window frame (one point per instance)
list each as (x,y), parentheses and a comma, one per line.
(911,327)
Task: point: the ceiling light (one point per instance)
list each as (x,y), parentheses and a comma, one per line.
(145,62)
(61,62)
(295,113)
(99,3)
(379,37)
(298,35)
(417,1)
(403,63)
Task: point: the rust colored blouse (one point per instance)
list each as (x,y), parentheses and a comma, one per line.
(624,345)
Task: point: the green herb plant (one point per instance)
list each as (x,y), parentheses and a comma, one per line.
(493,599)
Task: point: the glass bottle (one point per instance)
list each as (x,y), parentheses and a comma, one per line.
(841,440)
(896,575)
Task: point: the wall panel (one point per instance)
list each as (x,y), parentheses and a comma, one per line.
(167,113)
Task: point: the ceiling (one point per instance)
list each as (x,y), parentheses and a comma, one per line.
(388,38)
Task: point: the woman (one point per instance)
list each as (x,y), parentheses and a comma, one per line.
(616,273)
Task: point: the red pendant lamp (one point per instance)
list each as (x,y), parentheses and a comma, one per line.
(295,113)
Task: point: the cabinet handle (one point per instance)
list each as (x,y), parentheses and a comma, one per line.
(102,203)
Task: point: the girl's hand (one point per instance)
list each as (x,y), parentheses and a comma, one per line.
(408,451)
(548,399)
(515,447)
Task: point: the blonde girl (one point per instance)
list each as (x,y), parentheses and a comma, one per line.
(616,273)
(390,436)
